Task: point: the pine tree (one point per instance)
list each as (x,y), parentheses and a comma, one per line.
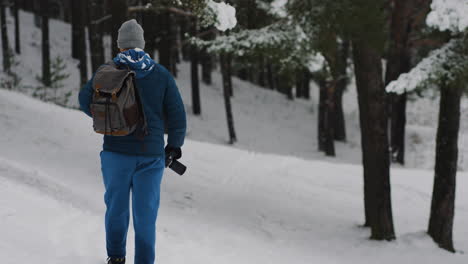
(447,68)
(404,22)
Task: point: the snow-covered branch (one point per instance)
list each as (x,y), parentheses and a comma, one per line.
(282,42)
(225,15)
(448,62)
(276,8)
(448,15)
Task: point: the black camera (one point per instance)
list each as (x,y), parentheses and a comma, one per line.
(175,165)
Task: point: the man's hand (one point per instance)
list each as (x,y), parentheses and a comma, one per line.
(172,154)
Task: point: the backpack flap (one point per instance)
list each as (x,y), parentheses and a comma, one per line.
(110,80)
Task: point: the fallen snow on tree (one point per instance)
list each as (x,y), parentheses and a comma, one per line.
(278,7)
(448,15)
(446,61)
(225,15)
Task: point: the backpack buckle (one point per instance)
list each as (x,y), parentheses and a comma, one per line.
(114,96)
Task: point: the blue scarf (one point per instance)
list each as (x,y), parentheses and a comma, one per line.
(138,60)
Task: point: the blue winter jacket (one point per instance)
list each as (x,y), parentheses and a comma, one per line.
(161,101)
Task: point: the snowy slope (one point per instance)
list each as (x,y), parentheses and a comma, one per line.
(265,121)
(232,206)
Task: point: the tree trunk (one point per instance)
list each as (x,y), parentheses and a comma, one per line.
(118,9)
(17,27)
(196,105)
(284,85)
(224,60)
(5,42)
(398,123)
(79,37)
(76,25)
(184,29)
(340,124)
(270,76)
(174,53)
(306,84)
(46,77)
(299,84)
(399,62)
(341,83)
(321,115)
(207,60)
(326,117)
(443,196)
(373,118)
(207,66)
(165,43)
(229,72)
(95,33)
(149,20)
(262,72)
(330,119)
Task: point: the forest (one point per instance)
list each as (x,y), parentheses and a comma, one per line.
(392,52)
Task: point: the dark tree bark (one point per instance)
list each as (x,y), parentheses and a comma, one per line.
(207,59)
(165,43)
(326,116)
(46,77)
(207,67)
(228,58)
(173,37)
(285,85)
(79,37)
(306,84)
(398,124)
(16,7)
(341,83)
(443,196)
(299,84)
(270,78)
(224,62)
(399,62)
(196,105)
(76,25)
(184,29)
(119,12)
(149,20)
(374,137)
(95,10)
(5,42)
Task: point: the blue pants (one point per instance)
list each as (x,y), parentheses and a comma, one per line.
(142,175)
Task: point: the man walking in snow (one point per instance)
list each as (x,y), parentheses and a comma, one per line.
(126,165)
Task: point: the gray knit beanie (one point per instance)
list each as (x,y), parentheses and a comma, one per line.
(131,35)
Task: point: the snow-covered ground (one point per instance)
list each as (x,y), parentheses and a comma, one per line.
(265,121)
(232,206)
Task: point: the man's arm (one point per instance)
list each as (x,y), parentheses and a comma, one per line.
(85,97)
(175,113)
